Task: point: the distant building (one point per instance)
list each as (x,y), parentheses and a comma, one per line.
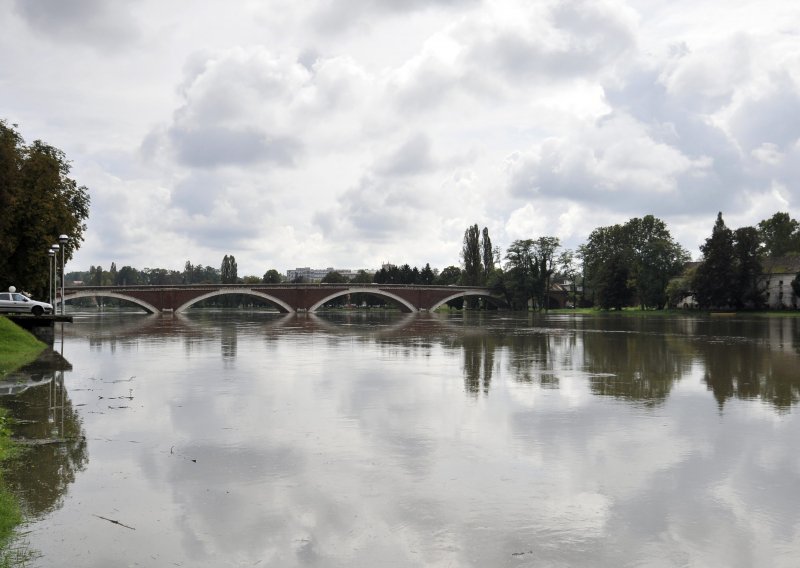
(309,274)
(777,281)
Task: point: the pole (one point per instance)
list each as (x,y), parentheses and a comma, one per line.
(63,239)
(54,251)
(50,281)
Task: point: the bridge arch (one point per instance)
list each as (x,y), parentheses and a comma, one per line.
(464,294)
(280,304)
(405,305)
(103,294)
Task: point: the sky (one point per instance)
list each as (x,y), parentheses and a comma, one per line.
(358,132)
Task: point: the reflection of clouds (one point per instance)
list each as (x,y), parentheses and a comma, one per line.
(329,447)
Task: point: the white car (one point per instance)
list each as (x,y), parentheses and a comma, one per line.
(14,302)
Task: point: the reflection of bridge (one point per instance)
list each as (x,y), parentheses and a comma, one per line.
(285,297)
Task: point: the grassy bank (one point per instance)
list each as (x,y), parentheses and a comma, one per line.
(10,515)
(17,346)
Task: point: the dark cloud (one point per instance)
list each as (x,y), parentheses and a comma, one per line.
(211,146)
(771,119)
(376,209)
(412,157)
(332,16)
(583,37)
(106,25)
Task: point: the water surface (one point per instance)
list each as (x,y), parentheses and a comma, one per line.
(254,439)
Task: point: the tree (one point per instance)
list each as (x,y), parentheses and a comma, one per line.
(471,255)
(714,277)
(521,274)
(796,289)
(546,248)
(272,276)
(229,270)
(334,277)
(127,276)
(643,249)
(487,255)
(39,202)
(426,275)
(362,277)
(747,268)
(779,235)
(449,275)
(569,273)
(606,249)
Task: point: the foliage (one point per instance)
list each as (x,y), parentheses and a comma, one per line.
(712,282)
(796,285)
(471,257)
(779,235)
(637,259)
(449,275)
(362,277)
(229,272)
(747,269)
(272,276)
(730,271)
(39,202)
(334,277)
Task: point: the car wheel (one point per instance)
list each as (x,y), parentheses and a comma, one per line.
(37,311)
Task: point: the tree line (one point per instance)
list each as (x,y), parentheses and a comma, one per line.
(39,202)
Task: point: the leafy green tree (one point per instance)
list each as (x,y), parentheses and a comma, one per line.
(605,249)
(487,255)
(362,277)
(471,256)
(251,279)
(568,272)
(521,274)
(449,275)
(127,276)
(546,248)
(644,250)
(796,289)
(713,281)
(38,202)
(334,277)
(426,275)
(229,270)
(272,276)
(615,292)
(747,267)
(779,235)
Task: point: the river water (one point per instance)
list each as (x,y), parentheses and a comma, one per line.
(354,439)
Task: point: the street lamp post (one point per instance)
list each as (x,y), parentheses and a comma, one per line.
(63,239)
(51,253)
(54,250)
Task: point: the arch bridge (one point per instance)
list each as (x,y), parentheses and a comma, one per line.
(286,298)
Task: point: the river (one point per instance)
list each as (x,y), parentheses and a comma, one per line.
(361,440)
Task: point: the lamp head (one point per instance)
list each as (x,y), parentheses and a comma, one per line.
(63,239)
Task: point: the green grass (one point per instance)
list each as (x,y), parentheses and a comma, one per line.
(17,346)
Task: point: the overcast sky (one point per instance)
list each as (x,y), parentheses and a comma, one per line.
(355,132)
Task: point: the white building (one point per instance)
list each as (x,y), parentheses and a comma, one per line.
(309,274)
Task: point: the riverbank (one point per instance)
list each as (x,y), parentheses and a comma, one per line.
(17,348)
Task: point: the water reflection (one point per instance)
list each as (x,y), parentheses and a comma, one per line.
(47,424)
(352,439)
(634,359)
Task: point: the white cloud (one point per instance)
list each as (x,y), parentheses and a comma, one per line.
(349,133)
